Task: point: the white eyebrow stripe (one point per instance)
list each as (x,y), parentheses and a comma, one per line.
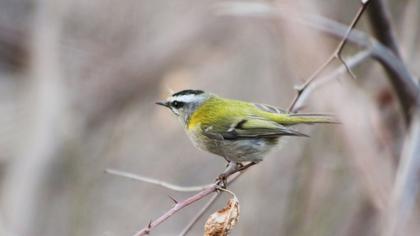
(183,98)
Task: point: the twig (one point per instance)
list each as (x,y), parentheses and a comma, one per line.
(335,55)
(199,214)
(182,204)
(158,182)
(211,201)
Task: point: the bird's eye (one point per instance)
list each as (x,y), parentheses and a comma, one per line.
(177,104)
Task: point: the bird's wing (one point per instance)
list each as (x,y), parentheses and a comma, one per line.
(283,117)
(269,108)
(251,127)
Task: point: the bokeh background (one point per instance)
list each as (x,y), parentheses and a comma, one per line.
(78,82)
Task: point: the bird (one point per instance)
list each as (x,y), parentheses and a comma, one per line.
(239,131)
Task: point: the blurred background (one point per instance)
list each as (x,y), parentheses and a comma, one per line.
(78,82)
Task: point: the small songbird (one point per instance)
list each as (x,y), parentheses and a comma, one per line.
(238,131)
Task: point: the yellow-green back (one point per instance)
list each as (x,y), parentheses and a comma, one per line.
(228,111)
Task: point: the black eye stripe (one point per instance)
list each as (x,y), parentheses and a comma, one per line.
(177,104)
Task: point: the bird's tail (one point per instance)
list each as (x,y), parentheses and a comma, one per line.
(307,118)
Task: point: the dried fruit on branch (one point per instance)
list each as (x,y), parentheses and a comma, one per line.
(221,222)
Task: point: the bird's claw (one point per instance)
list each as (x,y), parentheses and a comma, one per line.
(221,181)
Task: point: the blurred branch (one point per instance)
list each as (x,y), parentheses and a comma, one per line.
(182,204)
(379,17)
(335,55)
(14,52)
(157,182)
(29,174)
(407,184)
(408,38)
(403,82)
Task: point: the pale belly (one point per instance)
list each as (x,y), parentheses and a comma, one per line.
(242,150)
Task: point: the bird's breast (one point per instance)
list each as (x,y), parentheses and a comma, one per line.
(196,138)
(203,142)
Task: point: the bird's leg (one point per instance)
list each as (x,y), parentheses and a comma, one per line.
(230,169)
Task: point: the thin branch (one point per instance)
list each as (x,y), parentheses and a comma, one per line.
(301,88)
(211,201)
(157,182)
(356,19)
(349,71)
(199,214)
(346,36)
(335,55)
(182,204)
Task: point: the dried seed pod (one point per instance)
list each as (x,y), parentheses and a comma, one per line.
(221,222)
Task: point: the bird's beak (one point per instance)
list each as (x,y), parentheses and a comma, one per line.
(165,104)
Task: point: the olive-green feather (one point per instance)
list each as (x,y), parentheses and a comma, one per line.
(260,119)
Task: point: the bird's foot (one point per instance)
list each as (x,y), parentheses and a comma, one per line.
(231,168)
(221,181)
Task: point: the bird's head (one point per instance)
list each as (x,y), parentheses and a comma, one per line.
(185,102)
